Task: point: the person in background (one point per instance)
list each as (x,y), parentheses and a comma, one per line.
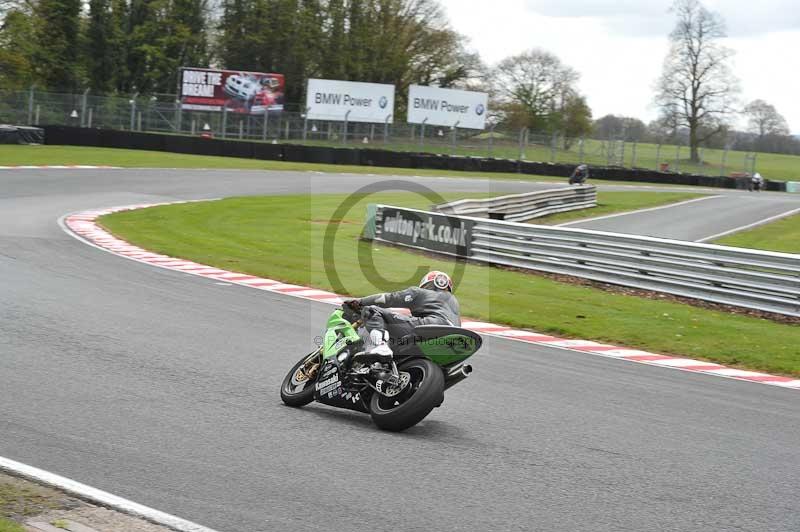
(579,175)
(756,182)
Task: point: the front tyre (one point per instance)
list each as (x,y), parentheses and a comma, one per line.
(424,393)
(298,385)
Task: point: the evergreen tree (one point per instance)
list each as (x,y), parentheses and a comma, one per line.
(16,50)
(99,51)
(56,39)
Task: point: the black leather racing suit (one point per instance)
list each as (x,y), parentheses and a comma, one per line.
(428,307)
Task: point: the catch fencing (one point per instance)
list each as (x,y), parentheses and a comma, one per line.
(760,280)
(526,206)
(162,113)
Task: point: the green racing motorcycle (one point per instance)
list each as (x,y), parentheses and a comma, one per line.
(397,395)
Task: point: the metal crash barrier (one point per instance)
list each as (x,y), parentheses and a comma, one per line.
(761,280)
(526,206)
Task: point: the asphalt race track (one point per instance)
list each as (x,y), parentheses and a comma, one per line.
(163,388)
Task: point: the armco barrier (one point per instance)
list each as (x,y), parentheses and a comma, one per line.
(76,136)
(522,207)
(754,279)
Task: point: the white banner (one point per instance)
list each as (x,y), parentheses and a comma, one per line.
(447,107)
(367,102)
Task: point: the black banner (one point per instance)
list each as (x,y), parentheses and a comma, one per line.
(423,230)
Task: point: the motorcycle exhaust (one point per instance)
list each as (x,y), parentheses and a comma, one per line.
(456,375)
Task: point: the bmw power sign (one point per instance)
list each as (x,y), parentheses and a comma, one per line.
(336,100)
(447,107)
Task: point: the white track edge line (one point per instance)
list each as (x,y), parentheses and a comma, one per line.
(660,207)
(750,226)
(94,495)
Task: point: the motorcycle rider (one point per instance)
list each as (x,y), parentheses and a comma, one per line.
(432,303)
(579,175)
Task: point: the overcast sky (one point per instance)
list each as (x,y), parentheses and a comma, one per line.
(618,46)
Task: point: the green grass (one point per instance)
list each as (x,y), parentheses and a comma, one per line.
(282,237)
(11,155)
(10,526)
(783,235)
(618,202)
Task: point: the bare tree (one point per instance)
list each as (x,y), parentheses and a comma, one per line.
(534,84)
(697,90)
(764,119)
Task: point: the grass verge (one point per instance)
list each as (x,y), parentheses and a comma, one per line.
(20,500)
(13,155)
(282,237)
(783,235)
(10,526)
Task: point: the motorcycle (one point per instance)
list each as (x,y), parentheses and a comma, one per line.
(397,395)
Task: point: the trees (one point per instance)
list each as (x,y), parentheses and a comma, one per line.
(696,89)
(626,128)
(56,39)
(536,90)
(16,49)
(764,119)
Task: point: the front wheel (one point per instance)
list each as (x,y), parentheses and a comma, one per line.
(424,393)
(298,385)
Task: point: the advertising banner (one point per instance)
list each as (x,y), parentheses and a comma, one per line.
(447,107)
(367,102)
(205,89)
(425,230)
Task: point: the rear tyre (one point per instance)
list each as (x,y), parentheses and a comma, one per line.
(424,393)
(298,387)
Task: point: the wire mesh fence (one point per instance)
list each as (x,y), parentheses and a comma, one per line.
(162,113)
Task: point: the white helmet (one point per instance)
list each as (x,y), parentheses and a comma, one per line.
(437,280)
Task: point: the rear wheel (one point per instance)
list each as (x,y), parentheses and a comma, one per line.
(424,393)
(298,385)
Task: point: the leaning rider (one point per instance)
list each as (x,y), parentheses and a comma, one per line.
(432,303)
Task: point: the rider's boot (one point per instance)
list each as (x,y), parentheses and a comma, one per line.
(379,350)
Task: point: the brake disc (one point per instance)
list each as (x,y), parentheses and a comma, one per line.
(392,390)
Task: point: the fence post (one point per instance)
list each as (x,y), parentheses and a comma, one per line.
(224,120)
(38,109)
(132,101)
(386,129)
(344,136)
(678,157)
(265,124)
(422,134)
(305,124)
(658,157)
(455,137)
(83,108)
(194,126)
(724,161)
(89,118)
(30,108)
(139,121)
(241,129)
(554,147)
(491,138)
(178,116)
(633,155)
(522,141)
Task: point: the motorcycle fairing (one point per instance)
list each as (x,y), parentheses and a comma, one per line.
(329,388)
